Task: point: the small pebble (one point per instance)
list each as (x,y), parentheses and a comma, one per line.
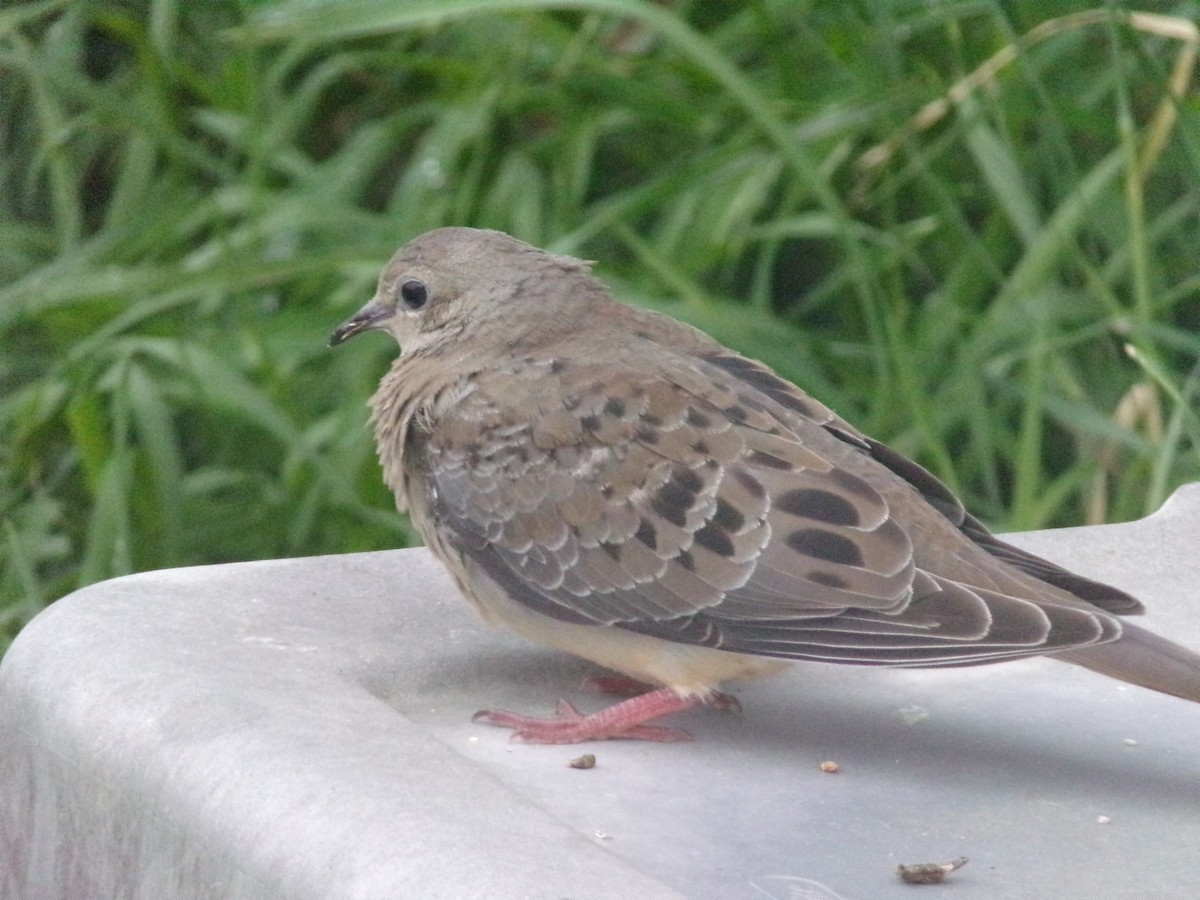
(928,873)
(831,767)
(587,761)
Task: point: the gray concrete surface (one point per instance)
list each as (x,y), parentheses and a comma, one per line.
(301,729)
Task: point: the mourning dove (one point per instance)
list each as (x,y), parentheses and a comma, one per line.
(616,484)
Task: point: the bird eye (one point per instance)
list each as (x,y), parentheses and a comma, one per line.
(414,294)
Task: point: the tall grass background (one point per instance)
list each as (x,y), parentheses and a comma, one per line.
(971,227)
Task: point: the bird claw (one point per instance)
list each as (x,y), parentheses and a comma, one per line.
(570,726)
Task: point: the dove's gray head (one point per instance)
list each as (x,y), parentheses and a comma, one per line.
(451,280)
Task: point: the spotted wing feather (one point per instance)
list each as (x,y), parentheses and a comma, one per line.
(794,406)
(698,507)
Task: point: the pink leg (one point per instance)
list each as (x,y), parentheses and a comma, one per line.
(624,686)
(622,720)
(615,685)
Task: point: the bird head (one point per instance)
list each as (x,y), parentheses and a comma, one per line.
(450,280)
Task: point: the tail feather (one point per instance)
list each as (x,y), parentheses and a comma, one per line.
(1143,658)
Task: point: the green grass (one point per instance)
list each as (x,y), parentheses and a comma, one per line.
(193,195)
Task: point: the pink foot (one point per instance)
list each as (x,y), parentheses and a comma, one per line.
(614,685)
(624,686)
(624,720)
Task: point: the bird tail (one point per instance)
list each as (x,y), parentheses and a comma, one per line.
(1143,658)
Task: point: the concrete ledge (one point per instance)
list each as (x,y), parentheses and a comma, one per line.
(301,729)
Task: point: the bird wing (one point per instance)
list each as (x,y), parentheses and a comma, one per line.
(702,503)
(797,408)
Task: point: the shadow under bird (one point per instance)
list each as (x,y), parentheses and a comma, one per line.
(616,484)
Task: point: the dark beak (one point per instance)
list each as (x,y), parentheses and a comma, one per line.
(370,317)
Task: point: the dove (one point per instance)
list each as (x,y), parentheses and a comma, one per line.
(613,483)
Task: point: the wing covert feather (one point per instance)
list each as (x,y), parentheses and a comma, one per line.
(697,506)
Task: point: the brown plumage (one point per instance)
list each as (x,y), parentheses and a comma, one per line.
(616,484)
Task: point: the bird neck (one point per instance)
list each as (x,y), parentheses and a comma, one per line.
(408,398)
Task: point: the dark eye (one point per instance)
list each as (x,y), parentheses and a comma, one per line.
(414,294)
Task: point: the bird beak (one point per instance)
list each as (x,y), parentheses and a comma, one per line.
(371,316)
